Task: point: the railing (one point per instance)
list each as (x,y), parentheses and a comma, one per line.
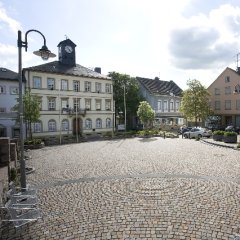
(73,111)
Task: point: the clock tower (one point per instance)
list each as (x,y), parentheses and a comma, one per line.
(66,52)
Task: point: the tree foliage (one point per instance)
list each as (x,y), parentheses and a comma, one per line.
(146,114)
(31,111)
(132,94)
(195,101)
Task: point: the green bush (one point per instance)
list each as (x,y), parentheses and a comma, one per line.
(218,132)
(228,134)
(34,141)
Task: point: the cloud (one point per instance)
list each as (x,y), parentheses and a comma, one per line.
(11,23)
(206,42)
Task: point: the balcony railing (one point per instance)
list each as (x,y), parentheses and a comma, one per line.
(74,111)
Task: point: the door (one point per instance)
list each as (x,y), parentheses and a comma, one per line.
(76,126)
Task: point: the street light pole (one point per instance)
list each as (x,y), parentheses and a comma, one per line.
(45,54)
(125,112)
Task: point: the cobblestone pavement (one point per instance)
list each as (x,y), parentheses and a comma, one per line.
(136,188)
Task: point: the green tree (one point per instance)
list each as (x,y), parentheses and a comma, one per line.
(146,114)
(31,110)
(132,95)
(195,101)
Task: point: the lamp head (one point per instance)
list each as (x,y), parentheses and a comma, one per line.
(44,53)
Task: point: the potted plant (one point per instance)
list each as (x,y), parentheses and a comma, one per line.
(230,137)
(218,135)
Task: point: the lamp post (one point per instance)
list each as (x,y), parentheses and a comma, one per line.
(45,54)
(125,112)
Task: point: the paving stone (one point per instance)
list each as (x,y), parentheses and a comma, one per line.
(130,189)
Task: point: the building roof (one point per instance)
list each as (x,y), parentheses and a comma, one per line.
(157,86)
(6,74)
(57,68)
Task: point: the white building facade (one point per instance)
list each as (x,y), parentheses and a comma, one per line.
(74,100)
(9,93)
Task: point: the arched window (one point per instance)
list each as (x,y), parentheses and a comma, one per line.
(65,125)
(88,123)
(98,123)
(37,127)
(51,125)
(108,123)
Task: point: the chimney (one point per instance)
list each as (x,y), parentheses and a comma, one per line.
(238,70)
(97,69)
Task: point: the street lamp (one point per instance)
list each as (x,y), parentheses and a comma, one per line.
(45,54)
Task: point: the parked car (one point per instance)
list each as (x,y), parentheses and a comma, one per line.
(184,129)
(231,128)
(198,133)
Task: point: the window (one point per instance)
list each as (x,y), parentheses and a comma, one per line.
(88,104)
(87,86)
(108,123)
(88,124)
(3,131)
(237,88)
(238,104)
(165,105)
(37,127)
(64,85)
(51,104)
(39,99)
(14,90)
(76,104)
(98,104)
(50,83)
(2,89)
(171,106)
(65,125)
(159,105)
(177,105)
(228,105)
(37,82)
(98,87)
(98,123)
(217,91)
(76,86)
(64,103)
(108,88)
(108,105)
(52,126)
(227,79)
(217,105)
(228,90)
(2,110)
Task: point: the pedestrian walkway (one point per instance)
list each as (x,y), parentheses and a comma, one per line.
(137,188)
(222,144)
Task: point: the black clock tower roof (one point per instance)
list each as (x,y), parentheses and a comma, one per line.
(67,42)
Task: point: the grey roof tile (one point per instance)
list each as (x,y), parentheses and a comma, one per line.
(157,86)
(58,68)
(6,74)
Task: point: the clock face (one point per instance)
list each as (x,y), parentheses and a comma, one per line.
(68,49)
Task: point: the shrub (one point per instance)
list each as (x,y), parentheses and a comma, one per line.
(228,134)
(218,132)
(34,141)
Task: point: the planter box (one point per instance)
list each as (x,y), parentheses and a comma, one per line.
(217,137)
(230,139)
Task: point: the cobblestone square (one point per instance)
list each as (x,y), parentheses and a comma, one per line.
(138,188)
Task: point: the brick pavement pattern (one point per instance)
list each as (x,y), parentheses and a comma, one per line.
(139,188)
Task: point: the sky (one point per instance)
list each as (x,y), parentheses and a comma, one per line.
(176,40)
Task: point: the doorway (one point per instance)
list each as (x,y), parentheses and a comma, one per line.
(77,126)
